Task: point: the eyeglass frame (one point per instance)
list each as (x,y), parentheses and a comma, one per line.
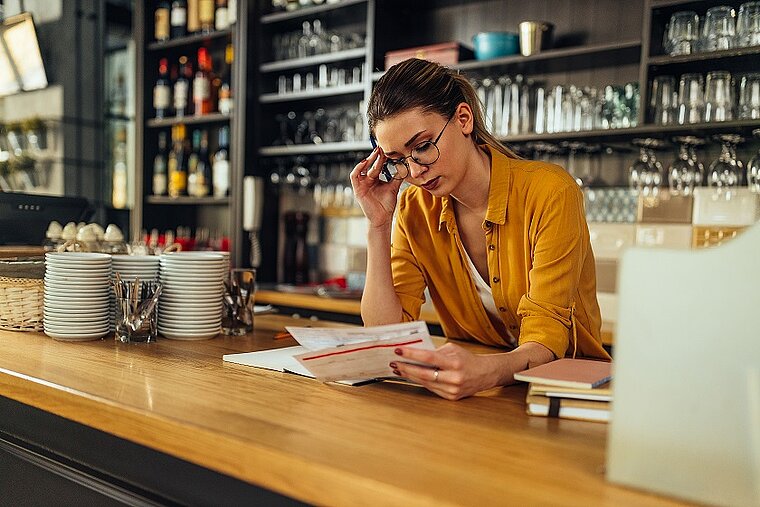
(385,172)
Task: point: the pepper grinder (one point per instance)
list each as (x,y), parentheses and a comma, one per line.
(253,203)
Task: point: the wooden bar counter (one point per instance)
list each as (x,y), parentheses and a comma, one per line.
(384,443)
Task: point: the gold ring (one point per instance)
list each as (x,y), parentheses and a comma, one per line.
(435,375)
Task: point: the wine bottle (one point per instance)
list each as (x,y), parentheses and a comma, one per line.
(202,84)
(161,21)
(161,91)
(221,167)
(177,165)
(159,166)
(182,103)
(221,15)
(178,18)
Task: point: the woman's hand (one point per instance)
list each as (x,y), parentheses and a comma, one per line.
(377,199)
(456,373)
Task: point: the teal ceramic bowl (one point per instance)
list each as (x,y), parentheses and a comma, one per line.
(490,45)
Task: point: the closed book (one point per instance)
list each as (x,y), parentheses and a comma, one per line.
(566,372)
(584,410)
(601,393)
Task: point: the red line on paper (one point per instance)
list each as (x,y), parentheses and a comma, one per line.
(338,352)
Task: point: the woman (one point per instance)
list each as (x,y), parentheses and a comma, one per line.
(501,243)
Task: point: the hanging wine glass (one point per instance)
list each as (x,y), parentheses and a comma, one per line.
(753,168)
(724,172)
(684,174)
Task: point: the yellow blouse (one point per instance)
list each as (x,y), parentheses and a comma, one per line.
(540,263)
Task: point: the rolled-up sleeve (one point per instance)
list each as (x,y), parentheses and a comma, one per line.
(558,250)
(408,280)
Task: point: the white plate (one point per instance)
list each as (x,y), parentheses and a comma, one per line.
(73,273)
(76,337)
(70,290)
(190,293)
(77,329)
(136,260)
(78,257)
(77,297)
(181,313)
(192,271)
(189,336)
(74,319)
(75,311)
(182,322)
(174,282)
(190,298)
(191,328)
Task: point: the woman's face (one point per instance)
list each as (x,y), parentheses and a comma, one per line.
(403,133)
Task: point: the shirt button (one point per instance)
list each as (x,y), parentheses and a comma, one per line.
(488,224)
(502,309)
(495,279)
(491,247)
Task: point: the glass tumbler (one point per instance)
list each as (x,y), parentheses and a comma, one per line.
(664,99)
(682,33)
(691,98)
(748,25)
(719,97)
(753,168)
(719,29)
(749,97)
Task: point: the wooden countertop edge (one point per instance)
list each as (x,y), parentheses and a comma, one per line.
(241,459)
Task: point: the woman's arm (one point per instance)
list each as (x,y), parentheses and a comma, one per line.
(380,304)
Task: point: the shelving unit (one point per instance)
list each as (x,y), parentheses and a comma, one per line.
(164,212)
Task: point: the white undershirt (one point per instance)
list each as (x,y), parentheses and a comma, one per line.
(486,297)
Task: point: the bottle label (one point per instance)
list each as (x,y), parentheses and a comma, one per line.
(222,21)
(181,88)
(161,97)
(225,105)
(177,183)
(179,16)
(159,184)
(161,31)
(201,88)
(221,178)
(206,11)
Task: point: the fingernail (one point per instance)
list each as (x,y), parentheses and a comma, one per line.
(398,352)
(397,373)
(393,365)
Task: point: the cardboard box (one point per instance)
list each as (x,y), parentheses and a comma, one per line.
(446,53)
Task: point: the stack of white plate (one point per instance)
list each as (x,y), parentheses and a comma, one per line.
(76,302)
(190,306)
(129,267)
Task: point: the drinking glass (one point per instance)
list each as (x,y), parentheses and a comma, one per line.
(748,25)
(719,29)
(725,172)
(753,168)
(719,97)
(749,97)
(683,173)
(691,103)
(645,174)
(663,102)
(682,33)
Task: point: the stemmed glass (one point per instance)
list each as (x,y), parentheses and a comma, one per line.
(684,174)
(753,168)
(646,173)
(726,171)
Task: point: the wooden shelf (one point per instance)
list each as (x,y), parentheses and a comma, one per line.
(310,149)
(296,63)
(658,131)
(188,120)
(552,54)
(188,40)
(186,200)
(308,11)
(333,91)
(664,60)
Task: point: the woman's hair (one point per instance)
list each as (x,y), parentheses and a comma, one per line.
(433,88)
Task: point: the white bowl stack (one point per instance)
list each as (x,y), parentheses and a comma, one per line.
(190,306)
(76,301)
(129,267)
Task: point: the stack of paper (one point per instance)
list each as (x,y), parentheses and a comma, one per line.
(351,355)
(569,388)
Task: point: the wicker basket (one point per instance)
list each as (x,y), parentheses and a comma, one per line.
(21,295)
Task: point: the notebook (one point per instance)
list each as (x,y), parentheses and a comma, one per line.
(567,372)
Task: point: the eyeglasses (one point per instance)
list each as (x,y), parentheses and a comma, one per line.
(425,153)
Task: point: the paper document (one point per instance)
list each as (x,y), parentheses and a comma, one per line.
(351,353)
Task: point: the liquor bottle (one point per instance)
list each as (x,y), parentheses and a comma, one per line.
(161,91)
(178,18)
(177,165)
(161,21)
(232,11)
(159,166)
(221,167)
(206,15)
(193,22)
(192,164)
(203,182)
(182,104)
(225,105)
(119,194)
(221,15)
(202,84)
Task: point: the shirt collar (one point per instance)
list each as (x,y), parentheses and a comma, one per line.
(498,193)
